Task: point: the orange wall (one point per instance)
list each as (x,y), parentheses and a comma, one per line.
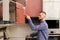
(33,7)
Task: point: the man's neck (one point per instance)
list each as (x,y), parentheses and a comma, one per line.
(43,20)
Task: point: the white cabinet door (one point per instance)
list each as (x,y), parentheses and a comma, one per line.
(51,0)
(1,34)
(1,39)
(52,9)
(5,10)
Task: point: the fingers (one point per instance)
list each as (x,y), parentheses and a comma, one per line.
(27,16)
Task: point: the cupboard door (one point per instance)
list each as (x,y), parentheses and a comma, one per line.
(20,18)
(52,8)
(33,7)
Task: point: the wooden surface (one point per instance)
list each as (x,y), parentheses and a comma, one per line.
(5,25)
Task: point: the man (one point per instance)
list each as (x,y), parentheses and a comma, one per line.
(42,28)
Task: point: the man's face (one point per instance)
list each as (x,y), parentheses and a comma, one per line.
(42,16)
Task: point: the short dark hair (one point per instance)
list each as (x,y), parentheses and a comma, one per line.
(43,12)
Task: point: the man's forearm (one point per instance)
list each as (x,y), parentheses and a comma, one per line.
(32,26)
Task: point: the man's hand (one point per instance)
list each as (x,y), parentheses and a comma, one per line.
(28,17)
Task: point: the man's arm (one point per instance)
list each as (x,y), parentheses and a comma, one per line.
(39,27)
(33,27)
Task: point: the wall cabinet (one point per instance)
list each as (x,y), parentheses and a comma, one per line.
(33,7)
(52,8)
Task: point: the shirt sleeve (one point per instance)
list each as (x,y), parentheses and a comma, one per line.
(38,27)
